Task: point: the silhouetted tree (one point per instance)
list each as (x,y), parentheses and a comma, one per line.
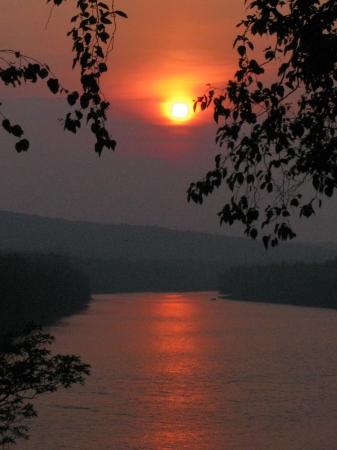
(27,370)
(26,367)
(40,288)
(279,127)
(92,43)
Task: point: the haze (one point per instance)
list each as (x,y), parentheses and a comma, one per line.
(164,52)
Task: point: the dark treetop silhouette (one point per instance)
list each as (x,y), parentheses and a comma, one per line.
(28,370)
(40,288)
(281,152)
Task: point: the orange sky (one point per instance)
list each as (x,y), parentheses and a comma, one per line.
(164,51)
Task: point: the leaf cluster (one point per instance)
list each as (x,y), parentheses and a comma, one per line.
(92,42)
(278,136)
(16,70)
(28,370)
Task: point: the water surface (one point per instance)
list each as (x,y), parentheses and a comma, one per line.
(179,371)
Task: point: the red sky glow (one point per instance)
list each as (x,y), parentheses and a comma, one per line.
(165,52)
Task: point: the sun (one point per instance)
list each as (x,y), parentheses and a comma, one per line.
(180,110)
(177,107)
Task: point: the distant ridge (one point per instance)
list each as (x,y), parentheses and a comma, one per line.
(30,233)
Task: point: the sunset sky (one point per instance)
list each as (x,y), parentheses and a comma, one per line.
(164,52)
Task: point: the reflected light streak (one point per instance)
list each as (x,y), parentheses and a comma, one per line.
(179,363)
(177,351)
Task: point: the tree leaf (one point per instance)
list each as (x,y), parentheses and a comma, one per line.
(121,13)
(53,85)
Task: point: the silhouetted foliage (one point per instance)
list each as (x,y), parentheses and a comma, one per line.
(48,287)
(279,136)
(39,288)
(27,370)
(296,284)
(92,43)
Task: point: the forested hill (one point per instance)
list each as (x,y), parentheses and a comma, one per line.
(39,288)
(296,284)
(21,232)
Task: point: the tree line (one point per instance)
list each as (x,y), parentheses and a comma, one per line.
(39,288)
(296,284)
(117,275)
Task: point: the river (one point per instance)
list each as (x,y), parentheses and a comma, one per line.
(179,371)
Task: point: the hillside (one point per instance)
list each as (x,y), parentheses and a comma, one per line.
(21,232)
